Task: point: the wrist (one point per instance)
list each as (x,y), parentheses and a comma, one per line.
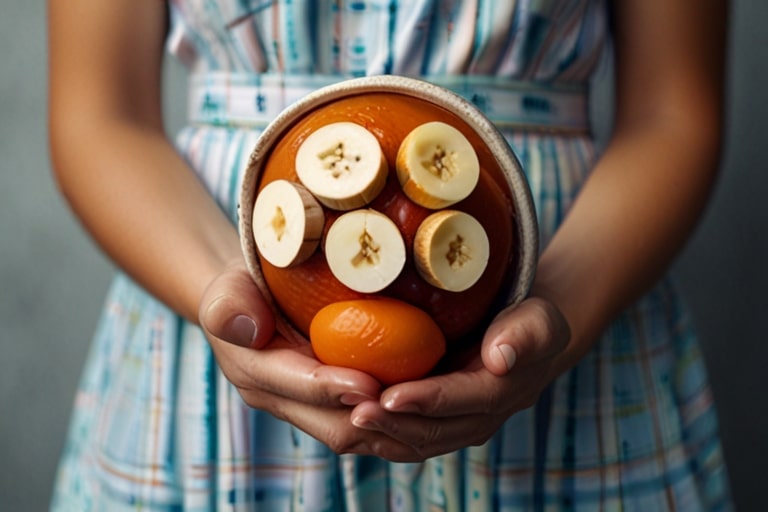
(578,304)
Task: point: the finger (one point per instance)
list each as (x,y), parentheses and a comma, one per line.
(468,392)
(532,331)
(233,309)
(292,372)
(428,437)
(442,396)
(333,427)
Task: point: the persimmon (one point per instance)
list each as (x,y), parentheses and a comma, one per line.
(386,338)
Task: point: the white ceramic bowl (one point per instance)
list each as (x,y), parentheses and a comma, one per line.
(527,242)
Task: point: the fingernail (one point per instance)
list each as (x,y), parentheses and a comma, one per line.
(360,422)
(506,355)
(353,398)
(408,407)
(241,330)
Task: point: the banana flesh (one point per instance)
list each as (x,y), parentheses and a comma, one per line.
(437,166)
(451,250)
(365,250)
(287,223)
(343,165)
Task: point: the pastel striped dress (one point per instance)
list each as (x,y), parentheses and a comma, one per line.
(156,426)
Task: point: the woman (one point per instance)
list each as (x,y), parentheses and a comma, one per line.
(591,393)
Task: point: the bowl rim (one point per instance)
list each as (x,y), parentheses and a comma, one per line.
(526,222)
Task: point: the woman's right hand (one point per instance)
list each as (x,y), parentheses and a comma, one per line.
(280,376)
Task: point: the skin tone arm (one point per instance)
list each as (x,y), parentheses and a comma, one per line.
(112,160)
(657,173)
(633,215)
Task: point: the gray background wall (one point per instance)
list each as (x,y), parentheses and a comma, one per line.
(52,278)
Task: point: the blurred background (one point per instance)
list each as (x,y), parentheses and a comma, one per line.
(52,277)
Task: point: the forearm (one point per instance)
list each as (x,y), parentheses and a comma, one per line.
(632,217)
(146,209)
(112,160)
(647,192)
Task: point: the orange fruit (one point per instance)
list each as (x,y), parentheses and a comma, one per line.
(302,290)
(386,338)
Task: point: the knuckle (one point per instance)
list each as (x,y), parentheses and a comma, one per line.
(439,401)
(540,324)
(429,438)
(491,402)
(542,331)
(551,326)
(344,440)
(340,444)
(261,401)
(322,389)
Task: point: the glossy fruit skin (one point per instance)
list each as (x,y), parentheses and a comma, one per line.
(386,338)
(303,290)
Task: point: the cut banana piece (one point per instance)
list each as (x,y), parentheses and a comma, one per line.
(436,165)
(451,250)
(343,165)
(287,223)
(365,250)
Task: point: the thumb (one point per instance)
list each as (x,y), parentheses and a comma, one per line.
(233,309)
(533,330)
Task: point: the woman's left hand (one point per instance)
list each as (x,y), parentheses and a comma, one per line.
(466,407)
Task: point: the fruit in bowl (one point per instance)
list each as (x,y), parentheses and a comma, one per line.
(384,225)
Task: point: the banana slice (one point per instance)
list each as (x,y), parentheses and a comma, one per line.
(451,250)
(436,165)
(365,250)
(343,165)
(287,223)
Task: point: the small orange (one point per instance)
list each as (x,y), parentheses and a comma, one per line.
(386,338)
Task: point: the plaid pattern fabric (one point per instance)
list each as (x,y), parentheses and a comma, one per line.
(157,427)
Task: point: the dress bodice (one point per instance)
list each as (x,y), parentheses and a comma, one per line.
(533,40)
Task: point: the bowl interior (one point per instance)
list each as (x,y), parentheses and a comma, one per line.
(524,221)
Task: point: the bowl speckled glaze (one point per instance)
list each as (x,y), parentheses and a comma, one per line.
(527,242)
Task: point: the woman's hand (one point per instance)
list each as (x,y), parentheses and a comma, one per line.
(283,377)
(466,407)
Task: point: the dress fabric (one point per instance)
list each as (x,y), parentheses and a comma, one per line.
(156,426)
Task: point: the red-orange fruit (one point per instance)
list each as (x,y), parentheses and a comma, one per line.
(303,290)
(388,339)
